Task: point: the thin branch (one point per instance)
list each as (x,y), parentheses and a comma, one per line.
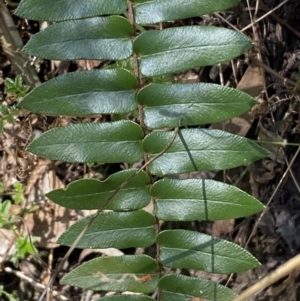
(272,196)
(136,68)
(76,242)
(286,81)
(12,44)
(284,270)
(33,282)
(266,9)
(265,15)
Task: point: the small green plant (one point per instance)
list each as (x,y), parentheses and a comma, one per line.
(18,195)
(9,297)
(23,245)
(15,89)
(163,129)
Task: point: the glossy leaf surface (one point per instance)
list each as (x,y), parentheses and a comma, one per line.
(126,297)
(191,104)
(112,142)
(113,229)
(93,194)
(57,10)
(94,38)
(182,288)
(135,273)
(84,93)
(194,250)
(149,12)
(199,149)
(196,199)
(180,48)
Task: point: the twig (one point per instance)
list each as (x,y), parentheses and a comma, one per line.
(14,4)
(33,282)
(265,8)
(279,273)
(265,15)
(268,280)
(292,174)
(227,22)
(287,82)
(272,196)
(12,44)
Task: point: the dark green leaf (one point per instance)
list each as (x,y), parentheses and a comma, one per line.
(155,11)
(136,273)
(180,48)
(113,229)
(4,110)
(126,297)
(57,10)
(10,119)
(182,288)
(191,104)
(94,38)
(199,149)
(84,93)
(110,142)
(5,207)
(196,199)
(194,250)
(1,125)
(93,194)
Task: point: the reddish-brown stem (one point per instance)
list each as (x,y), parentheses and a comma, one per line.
(137,73)
(136,62)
